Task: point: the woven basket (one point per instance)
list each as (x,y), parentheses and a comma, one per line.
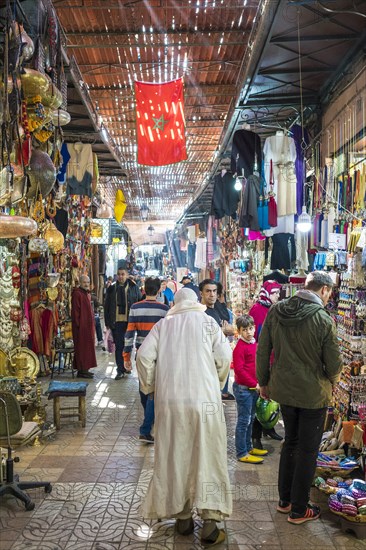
(332,472)
(355,519)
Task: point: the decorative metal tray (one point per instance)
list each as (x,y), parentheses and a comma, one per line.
(32,361)
(5,369)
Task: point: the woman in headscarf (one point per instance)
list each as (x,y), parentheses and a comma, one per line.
(185,360)
(269,294)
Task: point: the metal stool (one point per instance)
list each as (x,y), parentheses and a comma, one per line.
(58,389)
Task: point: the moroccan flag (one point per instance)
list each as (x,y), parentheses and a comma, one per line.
(160,123)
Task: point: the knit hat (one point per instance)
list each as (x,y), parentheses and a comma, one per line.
(267,289)
(271,286)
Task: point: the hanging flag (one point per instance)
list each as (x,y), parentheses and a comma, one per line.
(160,123)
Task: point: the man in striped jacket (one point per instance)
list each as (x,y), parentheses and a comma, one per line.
(143,316)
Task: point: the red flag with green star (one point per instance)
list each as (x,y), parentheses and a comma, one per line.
(160,123)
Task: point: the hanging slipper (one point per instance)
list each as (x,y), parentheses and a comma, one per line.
(216,537)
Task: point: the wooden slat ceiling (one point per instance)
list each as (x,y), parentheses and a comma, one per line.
(116,42)
(240,62)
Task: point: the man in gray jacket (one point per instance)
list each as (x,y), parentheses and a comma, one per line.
(306,364)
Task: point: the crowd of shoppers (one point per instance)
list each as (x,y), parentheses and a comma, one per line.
(286,351)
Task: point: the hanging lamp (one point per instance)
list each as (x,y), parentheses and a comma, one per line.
(304,220)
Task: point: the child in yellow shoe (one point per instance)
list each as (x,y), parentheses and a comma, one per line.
(245,389)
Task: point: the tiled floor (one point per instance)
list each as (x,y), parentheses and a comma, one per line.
(100,475)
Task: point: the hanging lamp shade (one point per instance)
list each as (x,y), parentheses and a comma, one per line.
(42,174)
(304,221)
(144,212)
(120,205)
(34,83)
(54,238)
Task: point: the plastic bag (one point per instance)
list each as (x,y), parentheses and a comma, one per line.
(108,341)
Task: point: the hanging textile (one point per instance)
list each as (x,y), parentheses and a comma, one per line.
(160,123)
(246,153)
(282,151)
(248,214)
(225,198)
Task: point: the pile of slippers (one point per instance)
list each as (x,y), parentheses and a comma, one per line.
(350,501)
(336,462)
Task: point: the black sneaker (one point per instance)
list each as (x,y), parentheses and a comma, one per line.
(284,507)
(272,434)
(119,376)
(311,513)
(146,438)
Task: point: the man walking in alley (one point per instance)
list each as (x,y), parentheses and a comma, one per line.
(142,318)
(119,298)
(306,364)
(184,360)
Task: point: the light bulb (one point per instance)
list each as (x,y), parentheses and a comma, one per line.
(304,221)
(237,185)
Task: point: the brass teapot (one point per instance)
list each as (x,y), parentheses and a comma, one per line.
(19,364)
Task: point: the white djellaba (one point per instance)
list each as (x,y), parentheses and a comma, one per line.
(185,360)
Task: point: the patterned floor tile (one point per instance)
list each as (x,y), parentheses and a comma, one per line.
(101,474)
(253,533)
(127,543)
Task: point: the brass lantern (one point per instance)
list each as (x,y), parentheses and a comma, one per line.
(54,238)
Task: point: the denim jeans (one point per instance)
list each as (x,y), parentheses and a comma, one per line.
(98,328)
(303,433)
(245,404)
(149,413)
(119,332)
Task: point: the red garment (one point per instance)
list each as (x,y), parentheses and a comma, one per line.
(160,123)
(259,313)
(43,323)
(83,330)
(244,363)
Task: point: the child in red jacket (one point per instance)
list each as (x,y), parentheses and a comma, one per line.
(245,389)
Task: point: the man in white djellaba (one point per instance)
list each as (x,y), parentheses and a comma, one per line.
(185,361)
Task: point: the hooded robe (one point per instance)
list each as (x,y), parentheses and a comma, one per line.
(185,360)
(83,330)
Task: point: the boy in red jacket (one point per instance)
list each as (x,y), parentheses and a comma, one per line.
(245,389)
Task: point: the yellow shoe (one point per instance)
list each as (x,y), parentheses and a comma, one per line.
(251,459)
(258,452)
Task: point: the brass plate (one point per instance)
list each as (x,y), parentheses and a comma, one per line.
(32,361)
(4,364)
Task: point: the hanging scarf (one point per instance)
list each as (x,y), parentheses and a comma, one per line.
(121,298)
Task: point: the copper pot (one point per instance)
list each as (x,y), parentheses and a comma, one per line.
(16,226)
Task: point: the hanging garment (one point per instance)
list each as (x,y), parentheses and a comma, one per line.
(225,198)
(83,330)
(79,171)
(282,151)
(283,251)
(246,153)
(248,215)
(201,253)
(191,230)
(65,157)
(272,205)
(302,260)
(301,138)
